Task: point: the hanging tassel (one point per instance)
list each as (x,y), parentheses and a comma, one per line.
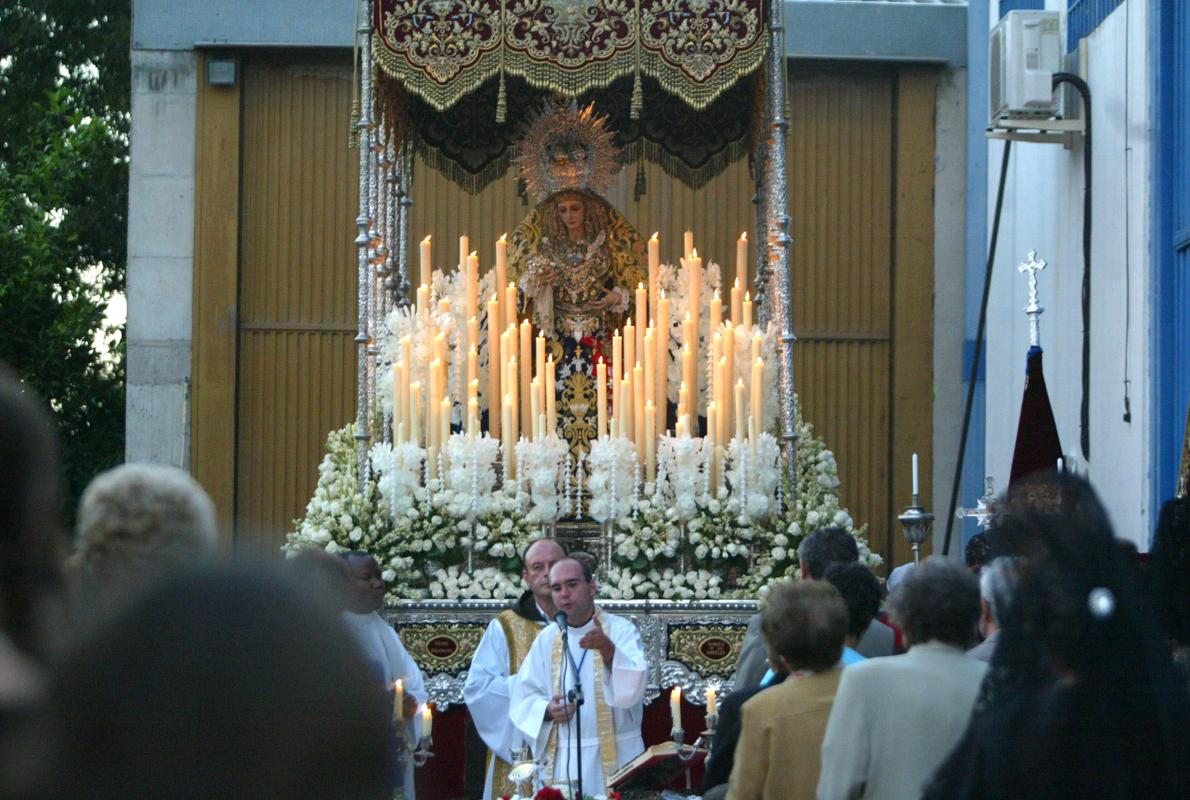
(638,98)
(501,102)
(638,189)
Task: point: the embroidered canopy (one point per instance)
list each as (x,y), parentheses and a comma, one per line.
(442,50)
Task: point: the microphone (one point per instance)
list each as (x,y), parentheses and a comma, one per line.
(560,619)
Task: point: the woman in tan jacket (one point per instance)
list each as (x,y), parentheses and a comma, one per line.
(777,756)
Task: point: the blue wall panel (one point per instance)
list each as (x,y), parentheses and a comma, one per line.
(1172,242)
(1084,16)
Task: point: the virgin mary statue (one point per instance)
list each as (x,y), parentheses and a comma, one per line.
(575,258)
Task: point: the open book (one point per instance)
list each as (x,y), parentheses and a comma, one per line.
(656,768)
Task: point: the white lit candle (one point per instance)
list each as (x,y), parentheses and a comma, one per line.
(426,253)
(915,487)
(398,700)
(601,396)
(427,721)
(675,707)
(741,258)
(712,700)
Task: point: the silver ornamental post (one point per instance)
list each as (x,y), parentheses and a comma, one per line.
(404,203)
(363,239)
(778,238)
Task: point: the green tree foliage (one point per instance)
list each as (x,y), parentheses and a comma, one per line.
(64,112)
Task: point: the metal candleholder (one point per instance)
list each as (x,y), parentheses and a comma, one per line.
(418,752)
(422,753)
(917,522)
(687,751)
(524,770)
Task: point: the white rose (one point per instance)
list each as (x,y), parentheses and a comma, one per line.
(332,547)
(506,526)
(388,575)
(355,535)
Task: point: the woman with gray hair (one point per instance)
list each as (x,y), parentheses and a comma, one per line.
(138,522)
(895,719)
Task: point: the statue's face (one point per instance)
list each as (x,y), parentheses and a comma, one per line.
(572,212)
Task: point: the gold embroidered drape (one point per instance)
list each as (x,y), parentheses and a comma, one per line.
(442,50)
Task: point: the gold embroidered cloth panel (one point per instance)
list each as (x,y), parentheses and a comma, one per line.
(442,50)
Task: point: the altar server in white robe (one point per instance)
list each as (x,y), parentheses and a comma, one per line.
(613,672)
(500,654)
(382,646)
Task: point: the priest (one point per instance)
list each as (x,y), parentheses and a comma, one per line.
(607,652)
(382,646)
(503,648)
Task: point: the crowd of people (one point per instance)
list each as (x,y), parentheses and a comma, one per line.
(136,661)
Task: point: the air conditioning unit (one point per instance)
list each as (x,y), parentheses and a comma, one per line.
(1025,51)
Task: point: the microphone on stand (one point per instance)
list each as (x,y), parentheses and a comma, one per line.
(560,619)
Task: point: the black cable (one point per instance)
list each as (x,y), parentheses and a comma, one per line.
(1084,414)
(977,351)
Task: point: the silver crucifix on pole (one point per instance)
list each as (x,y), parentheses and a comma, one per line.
(1034,311)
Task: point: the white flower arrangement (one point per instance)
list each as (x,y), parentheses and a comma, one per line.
(754,473)
(544,466)
(675,282)
(471,474)
(485,583)
(682,473)
(612,469)
(398,473)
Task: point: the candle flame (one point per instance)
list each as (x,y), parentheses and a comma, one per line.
(426,240)
(504,237)
(747,297)
(716,295)
(640,285)
(653,237)
(744,236)
(474,254)
(694,252)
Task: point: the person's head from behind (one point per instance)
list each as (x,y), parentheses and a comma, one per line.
(804,625)
(219,683)
(938,601)
(824,547)
(977,552)
(573,587)
(861,591)
(536,562)
(140,522)
(367,584)
(31,535)
(997,582)
(327,578)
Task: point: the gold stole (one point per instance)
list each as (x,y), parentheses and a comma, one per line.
(519,633)
(604,721)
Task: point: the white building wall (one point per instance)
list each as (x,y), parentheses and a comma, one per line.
(1043,211)
(160,254)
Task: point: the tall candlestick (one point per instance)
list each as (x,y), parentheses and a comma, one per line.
(741,411)
(737,302)
(748,310)
(507,441)
(535,408)
(472,366)
(472,288)
(501,276)
(642,309)
(415,412)
(729,374)
(638,406)
(650,442)
(526,359)
(915,486)
(426,263)
(494,362)
(757,344)
(741,259)
(758,394)
(627,425)
(683,400)
(601,397)
(629,347)
(712,440)
(551,407)
(654,271)
(511,390)
(398,700)
(690,378)
(695,311)
(617,371)
(473,417)
(687,244)
(444,424)
(398,396)
(716,313)
(509,311)
(675,707)
(464,249)
(539,353)
(650,373)
(661,375)
(423,298)
(712,705)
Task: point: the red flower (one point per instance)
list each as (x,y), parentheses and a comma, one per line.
(549,793)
